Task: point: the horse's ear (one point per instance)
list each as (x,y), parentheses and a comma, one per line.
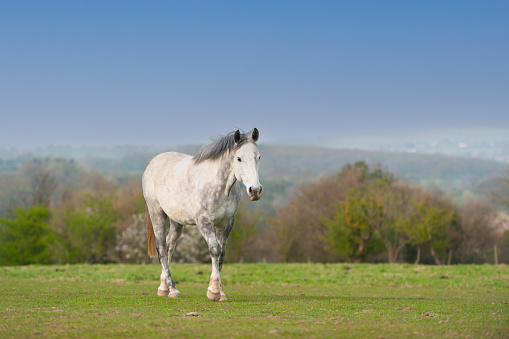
(255,135)
(236,136)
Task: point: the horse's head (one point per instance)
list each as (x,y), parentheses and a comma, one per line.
(245,162)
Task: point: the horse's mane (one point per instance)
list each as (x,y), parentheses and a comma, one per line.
(219,146)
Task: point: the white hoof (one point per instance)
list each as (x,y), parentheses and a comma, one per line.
(223,297)
(174,294)
(161,293)
(213,296)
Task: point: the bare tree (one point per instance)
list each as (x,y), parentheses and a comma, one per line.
(501,194)
(41,184)
(478,231)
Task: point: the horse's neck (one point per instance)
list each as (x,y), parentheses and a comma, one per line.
(221,172)
(230,181)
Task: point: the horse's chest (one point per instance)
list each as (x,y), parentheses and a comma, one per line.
(217,207)
(223,211)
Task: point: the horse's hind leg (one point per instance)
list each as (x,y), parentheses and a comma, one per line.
(167,286)
(171,239)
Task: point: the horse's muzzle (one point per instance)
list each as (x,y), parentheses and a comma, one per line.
(254,195)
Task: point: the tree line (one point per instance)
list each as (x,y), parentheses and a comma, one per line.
(365,214)
(59,211)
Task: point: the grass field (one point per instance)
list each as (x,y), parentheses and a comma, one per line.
(264,300)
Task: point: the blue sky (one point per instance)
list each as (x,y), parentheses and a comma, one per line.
(178,72)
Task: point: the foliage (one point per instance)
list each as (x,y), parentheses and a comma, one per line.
(89,233)
(27,239)
(244,230)
(349,232)
(131,244)
(380,209)
(296,233)
(428,226)
(128,201)
(390,207)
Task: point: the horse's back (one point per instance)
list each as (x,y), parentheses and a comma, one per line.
(168,160)
(166,174)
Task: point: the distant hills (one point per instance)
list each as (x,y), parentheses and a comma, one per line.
(474,142)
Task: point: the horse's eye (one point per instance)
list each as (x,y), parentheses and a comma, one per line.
(238,159)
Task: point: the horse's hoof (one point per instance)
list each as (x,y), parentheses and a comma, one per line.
(162,293)
(223,297)
(213,296)
(175,294)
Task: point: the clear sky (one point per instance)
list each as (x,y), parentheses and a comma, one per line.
(178,72)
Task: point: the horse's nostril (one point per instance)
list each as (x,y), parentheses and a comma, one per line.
(261,189)
(251,190)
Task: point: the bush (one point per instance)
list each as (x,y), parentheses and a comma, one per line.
(132,243)
(90,234)
(27,239)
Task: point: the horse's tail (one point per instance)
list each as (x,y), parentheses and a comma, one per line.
(151,237)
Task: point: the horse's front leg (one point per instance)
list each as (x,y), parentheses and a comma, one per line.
(222,237)
(207,231)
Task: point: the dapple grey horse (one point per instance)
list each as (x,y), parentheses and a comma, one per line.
(202,190)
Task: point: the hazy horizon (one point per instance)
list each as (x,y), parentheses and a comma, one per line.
(357,139)
(171,73)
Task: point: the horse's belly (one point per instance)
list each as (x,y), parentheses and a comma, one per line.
(218,216)
(180,214)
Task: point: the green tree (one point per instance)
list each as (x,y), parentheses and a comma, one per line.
(360,216)
(349,231)
(297,232)
(90,234)
(27,239)
(387,202)
(428,226)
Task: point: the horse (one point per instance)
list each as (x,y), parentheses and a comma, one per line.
(202,191)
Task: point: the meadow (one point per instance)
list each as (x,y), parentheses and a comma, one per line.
(264,300)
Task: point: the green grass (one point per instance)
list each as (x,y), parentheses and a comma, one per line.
(264,300)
